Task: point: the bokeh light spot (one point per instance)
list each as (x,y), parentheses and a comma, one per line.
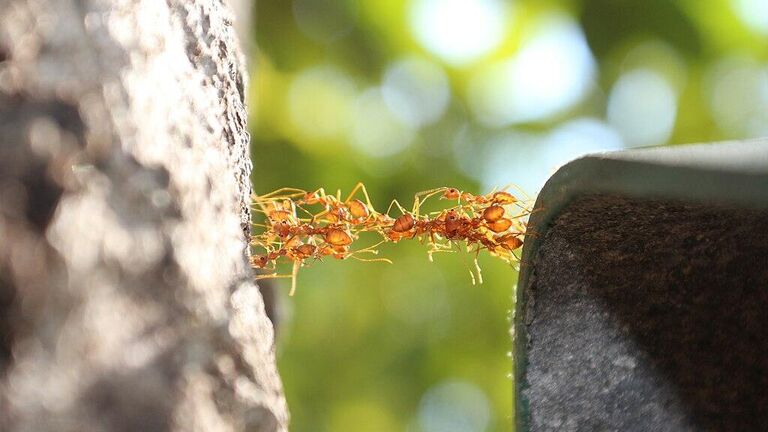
(454,406)
(375,130)
(458,31)
(416,91)
(527,160)
(738,97)
(754,13)
(552,71)
(642,106)
(319,101)
(660,57)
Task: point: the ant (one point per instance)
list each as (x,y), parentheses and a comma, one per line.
(481,222)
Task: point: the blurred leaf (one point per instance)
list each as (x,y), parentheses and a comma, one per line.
(609,23)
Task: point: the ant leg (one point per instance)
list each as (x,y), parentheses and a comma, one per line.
(477,267)
(371,250)
(371,259)
(293,192)
(361,187)
(268,199)
(354,191)
(321,193)
(531,234)
(416,205)
(467,209)
(519,189)
(431,192)
(304,210)
(522,214)
(431,246)
(294,275)
(395,203)
(271,276)
(323,199)
(434,250)
(316,216)
(262,207)
(422,196)
(526,212)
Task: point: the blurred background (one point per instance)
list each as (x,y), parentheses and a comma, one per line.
(408,95)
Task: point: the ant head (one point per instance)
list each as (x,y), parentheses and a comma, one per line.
(283,228)
(451,193)
(311,197)
(502,197)
(452,221)
(306,250)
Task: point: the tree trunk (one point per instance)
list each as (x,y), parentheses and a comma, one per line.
(126,299)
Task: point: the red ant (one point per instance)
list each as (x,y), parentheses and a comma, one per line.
(480,221)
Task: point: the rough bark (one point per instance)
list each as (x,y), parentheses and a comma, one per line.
(126,301)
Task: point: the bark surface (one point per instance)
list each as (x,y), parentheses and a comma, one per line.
(126,299)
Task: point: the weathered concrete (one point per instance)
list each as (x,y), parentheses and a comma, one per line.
(649,316)
(126,300)
(643,290)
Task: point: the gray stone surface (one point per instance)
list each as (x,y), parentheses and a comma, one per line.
(126,300)
(648,315)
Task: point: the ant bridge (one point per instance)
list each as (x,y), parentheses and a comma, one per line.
(645,307)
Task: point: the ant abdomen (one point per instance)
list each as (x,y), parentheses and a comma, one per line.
(403,223)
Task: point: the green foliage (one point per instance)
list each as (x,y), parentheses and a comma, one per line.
(377,347)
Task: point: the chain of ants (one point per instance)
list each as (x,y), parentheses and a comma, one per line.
(494,222)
